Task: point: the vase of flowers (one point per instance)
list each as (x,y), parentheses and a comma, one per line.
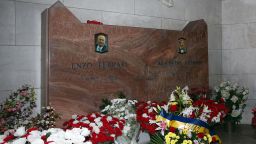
(234,98)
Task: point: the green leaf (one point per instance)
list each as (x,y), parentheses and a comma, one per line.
(156,138)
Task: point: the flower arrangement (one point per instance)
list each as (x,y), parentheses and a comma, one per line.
(52,135)
(123,109)
(179,100)
(234,98)
(46,119)
(189,137)
(185,121)
(254,117)
(103,128)
(210,111)
(17,110)
(146,114)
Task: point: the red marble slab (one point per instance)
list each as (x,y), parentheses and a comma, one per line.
(141,62)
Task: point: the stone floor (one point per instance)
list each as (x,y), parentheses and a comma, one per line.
(242,134)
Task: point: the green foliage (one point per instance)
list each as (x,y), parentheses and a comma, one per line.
(46,119)
(156,138)
(17,110)
(106,102)
(234,98)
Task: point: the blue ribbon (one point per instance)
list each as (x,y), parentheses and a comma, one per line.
(170,117)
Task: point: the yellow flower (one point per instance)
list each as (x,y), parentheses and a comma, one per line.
(174,141)
(205,138)
(209,138)
(187,142)
(167,140)
(162,119)
(170,137)
(173,103)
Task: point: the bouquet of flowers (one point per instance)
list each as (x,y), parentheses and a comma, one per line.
(52,135)
(17,110)
(209,111)
(46,119)
(189,137)
(179,100)
(103,128)
(146,114)
(254,117)
(234,98)
(182,121)
(123,109)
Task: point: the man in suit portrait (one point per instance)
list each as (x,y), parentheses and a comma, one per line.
(101,44)
(182,46)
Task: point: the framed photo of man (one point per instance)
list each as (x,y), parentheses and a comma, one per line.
(101,42)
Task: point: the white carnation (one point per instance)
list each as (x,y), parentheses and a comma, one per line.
(93,115)
(144,115)
(19,141)
(150,110)
(225,94)
(98,119)
(236,113)
(2,137)
(234,86)
(99,124)
(126,129)
(37,141)
(217,89)
(227,88)
(74,116)
(216,119)
(109,118)
(34,135)
(85,132)
(75,121)
(92,125)
(245,97)
(234,99)
(57,137)
(222,84)
(20,132)
(96,129)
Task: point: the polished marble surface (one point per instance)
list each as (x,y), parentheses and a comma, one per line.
(241,134)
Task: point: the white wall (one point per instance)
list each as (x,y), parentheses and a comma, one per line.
(239,47)
(20,30)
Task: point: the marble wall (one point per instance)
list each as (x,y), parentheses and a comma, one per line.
(20,30)
(239,47)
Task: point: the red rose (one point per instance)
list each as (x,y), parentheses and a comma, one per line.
(172,129)
(214,139)
(173,108)
(200,135)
